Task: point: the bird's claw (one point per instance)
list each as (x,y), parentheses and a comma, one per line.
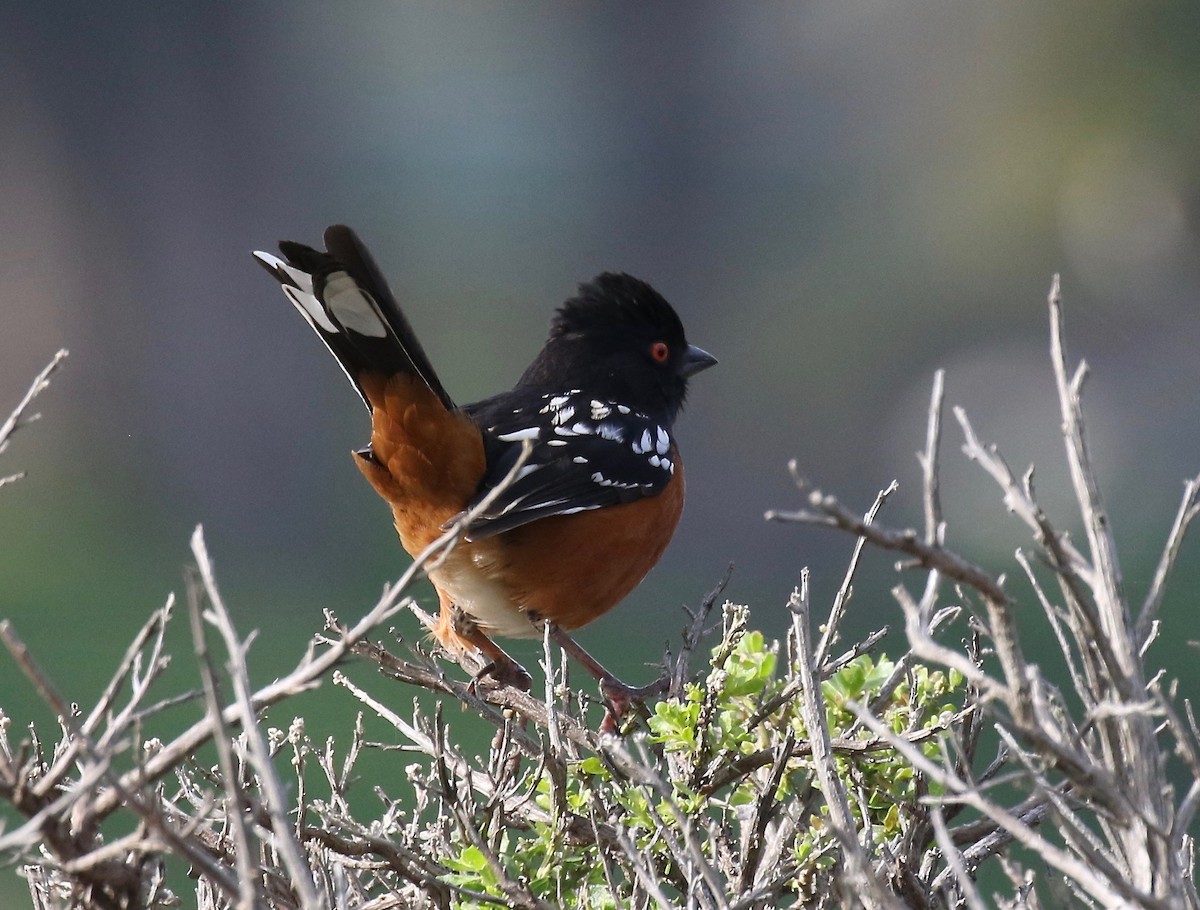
(620,698)
(502,674)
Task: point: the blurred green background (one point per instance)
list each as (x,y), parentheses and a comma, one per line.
(838,197)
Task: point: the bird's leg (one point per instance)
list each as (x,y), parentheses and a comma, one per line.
(500,667)
(619,696)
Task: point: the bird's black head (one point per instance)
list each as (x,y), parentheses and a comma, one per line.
(618,339)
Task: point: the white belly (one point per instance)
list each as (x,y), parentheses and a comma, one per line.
(484,600)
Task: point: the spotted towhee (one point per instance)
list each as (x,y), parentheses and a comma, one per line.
(593,507)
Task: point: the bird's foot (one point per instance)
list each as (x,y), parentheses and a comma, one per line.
(500,669)
(620,698)
(506,672)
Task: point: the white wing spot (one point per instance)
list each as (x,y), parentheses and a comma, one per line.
(599,478)
(663,442)
(518,435)
(610,431)
(642,446)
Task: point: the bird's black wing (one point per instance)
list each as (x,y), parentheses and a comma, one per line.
(585,454)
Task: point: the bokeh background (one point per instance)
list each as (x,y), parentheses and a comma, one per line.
(838,197)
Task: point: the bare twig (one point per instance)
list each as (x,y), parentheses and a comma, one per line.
(954,860)
(930,476)
(284,841)
(1104,550)
(18,418)
(693,634)
(826,511)
(842,599)
(812,707)
(1189,508)
(243,837)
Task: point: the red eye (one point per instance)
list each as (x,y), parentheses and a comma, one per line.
(660,351)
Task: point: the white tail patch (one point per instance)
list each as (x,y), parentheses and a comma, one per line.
(310,308)
(300,279)
(298,286)
(353,307)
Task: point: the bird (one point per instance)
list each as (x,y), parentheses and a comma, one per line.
(586,433)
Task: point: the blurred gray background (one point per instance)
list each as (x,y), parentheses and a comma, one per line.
(838,198)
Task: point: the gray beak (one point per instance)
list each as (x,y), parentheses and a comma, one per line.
(694,360)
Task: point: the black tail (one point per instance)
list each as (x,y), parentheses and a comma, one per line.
(346,300)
